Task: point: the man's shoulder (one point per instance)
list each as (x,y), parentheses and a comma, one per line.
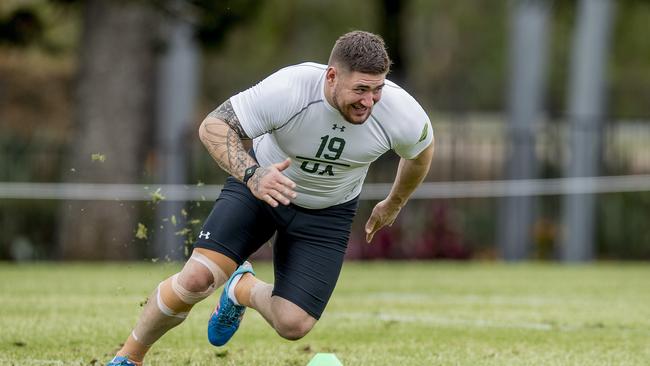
(306,72)
(301,78)
(295,85)
(396,101)
(403,119)
(307,67)
(280,95)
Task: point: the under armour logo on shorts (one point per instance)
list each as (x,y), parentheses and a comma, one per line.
(205,235)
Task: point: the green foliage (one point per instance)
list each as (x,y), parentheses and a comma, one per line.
(623,225)
(409,313)
(217,18)
(21,28)
(279,34)
(457,55)
(47,26)
(30,159)
(629,68)
(28,229)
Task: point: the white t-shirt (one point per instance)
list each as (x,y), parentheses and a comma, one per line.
(287,115)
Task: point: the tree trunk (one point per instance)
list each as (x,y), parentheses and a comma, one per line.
(113,114)
(391,28)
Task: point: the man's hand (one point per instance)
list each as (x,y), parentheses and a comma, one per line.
(383,214)
(271,186)
(410,174)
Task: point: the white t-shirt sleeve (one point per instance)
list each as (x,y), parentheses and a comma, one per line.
(416,132)
(267,105)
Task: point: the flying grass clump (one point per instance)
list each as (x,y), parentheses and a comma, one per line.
(141,232)
(157,196)
(98,157)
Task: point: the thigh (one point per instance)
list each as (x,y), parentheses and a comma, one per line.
(308,256)
(238,224)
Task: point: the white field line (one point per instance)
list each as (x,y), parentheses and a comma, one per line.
(34,361)
(371,191)
(470,299)
(448,322)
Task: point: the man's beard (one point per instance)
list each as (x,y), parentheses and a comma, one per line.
(340,108)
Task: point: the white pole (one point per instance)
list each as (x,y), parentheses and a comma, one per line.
(586,113)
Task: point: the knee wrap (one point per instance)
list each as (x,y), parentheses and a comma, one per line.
(193,297)
(190,297)
(166,309)
(218,276)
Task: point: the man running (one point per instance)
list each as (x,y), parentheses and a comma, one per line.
(315,129)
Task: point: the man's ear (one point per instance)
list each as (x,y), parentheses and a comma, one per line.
(331,74)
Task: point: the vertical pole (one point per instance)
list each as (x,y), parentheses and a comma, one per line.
(528,55)
(586,112)
(177,91)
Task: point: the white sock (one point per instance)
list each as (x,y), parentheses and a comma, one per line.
(231,289)
(235,281)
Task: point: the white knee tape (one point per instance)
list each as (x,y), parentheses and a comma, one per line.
(217,274)
(165,309)
(189,297)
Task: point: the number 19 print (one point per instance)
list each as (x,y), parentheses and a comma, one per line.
(334,146)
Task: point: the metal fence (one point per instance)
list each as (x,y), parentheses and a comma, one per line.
(452,215)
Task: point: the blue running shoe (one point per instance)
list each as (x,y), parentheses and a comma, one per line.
(226,317)
(120,361)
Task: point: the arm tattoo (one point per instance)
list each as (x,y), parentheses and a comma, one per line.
(224,144)
(257,177)
(226,113)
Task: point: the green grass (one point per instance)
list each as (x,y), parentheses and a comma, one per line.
(381,314)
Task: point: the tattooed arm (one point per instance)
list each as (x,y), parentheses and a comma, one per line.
(222,134)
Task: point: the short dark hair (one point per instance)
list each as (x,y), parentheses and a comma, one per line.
(361,52)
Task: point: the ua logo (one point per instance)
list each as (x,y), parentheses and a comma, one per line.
(205,235)
(337,127)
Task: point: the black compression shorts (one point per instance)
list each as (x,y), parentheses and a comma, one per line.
(308,250)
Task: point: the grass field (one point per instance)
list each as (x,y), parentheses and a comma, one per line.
(381,314)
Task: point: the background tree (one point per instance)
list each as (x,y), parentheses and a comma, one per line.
(113,113)
(115,102)
(391,13)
